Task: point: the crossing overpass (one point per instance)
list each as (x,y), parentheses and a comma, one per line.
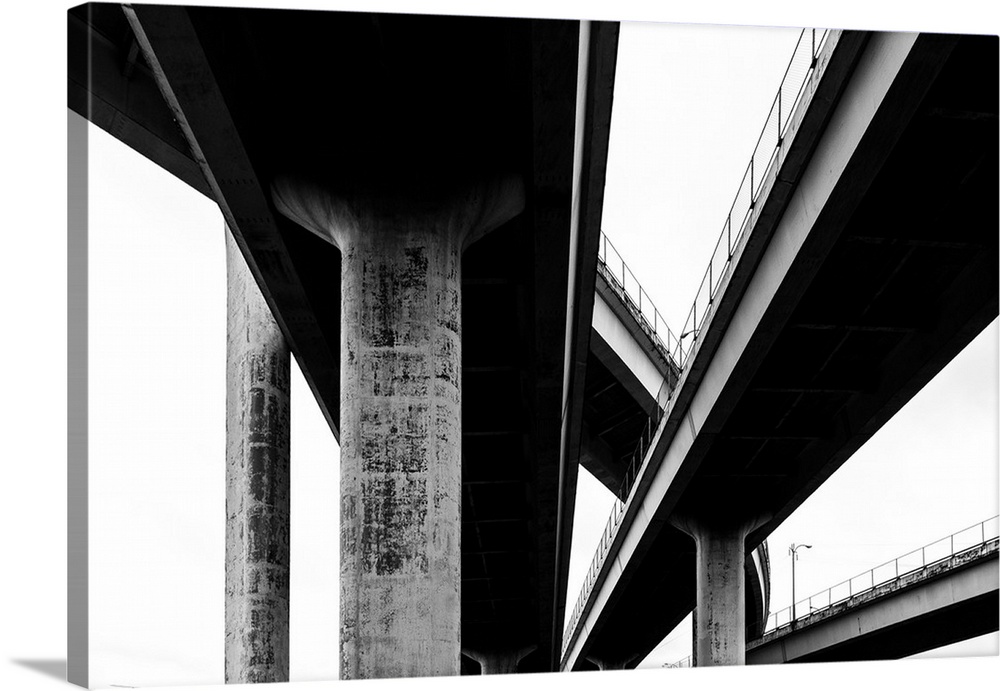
(940,594)
(553,368)
(815,327)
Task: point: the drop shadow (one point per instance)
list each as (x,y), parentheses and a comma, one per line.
(50,667)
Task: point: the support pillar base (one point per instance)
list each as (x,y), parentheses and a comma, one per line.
(719,628)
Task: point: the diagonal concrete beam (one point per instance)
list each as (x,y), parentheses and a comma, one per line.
(183,72)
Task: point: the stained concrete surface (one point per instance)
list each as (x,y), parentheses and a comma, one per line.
(257,483)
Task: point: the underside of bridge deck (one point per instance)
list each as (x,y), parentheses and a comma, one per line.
(899,275)
(364,101)
(897,272)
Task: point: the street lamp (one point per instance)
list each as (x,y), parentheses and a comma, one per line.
(793,550)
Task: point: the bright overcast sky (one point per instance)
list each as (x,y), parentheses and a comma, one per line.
(689,104)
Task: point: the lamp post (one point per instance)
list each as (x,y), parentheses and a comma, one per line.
(793,550)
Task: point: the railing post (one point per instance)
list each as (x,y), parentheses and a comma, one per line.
(729,235)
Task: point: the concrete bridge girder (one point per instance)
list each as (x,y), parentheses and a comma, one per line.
(938,605)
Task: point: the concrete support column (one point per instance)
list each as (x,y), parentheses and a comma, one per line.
(720,608)
(499,660)
(400,415)
(257,482)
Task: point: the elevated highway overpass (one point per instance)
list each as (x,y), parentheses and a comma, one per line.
(918,602)
(556,364)
(816,326)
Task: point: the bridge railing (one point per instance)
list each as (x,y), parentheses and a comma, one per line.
(970,538)
(683,662)
(734,233)
(739,220)
(618,508)
(624,283)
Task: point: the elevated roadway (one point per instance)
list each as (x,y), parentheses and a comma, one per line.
(555,364)
(846,298)
(943,602)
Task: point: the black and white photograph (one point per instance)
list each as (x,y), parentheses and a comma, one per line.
(437,341)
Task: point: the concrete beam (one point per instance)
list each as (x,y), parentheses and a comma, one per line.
(596,64)
(125,104)
(616,347)
(194,95)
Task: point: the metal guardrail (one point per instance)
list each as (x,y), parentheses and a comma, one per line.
(766,153)
(738,222)
(618,508)
(683,662)
(970,538)
(637,300)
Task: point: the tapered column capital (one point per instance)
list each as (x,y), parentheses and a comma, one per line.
(698,525)
(501,659)
(341,213)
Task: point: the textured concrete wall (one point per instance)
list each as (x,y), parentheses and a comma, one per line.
(257,483)
(401,437)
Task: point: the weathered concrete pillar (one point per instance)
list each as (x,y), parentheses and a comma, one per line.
(719,627)
(257,482)
(400,414)
(499,660)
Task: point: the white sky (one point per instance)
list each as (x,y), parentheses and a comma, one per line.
(157,376)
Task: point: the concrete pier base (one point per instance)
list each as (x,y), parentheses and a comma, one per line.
(499,660)
(257,483)
(719,627)
(401,422)
(610,664)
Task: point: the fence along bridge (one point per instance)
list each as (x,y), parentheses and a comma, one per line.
(933,596)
